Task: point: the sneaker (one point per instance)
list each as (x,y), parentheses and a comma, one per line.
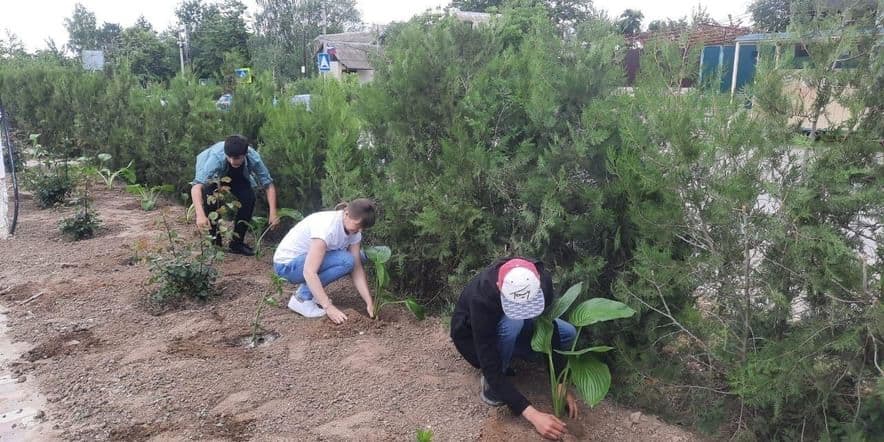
(307,309)
(240,248)
(488,395)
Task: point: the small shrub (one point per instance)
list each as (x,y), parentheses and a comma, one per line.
(50,185)
(49,188)
(183,272)
(83,225)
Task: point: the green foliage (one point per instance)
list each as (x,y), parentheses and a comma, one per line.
(82,225)
(108,177)
(590,377)
(214,29)
(316,149)
(149,195)
(183,272)
(422,435)
(50,181)
(49,188)
(749,274)
(272,299)
(379,256)
(770,15)
(85,222)
(286,28)
(478,134)
(259,226)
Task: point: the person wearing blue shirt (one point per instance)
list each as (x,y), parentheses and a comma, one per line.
(235,159)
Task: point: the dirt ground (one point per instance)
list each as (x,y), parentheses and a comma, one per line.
(111,368)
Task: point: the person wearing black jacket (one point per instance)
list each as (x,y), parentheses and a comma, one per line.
(493,321)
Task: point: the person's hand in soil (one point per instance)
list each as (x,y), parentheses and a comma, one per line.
(336,316)
(549,426)
(570,401)
(202,222)
(369,307)
(273,219)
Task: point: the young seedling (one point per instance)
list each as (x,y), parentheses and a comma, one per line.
(590,376)
(149,195)
(379,255)
(272,299)
(422,435)
(259,226)
(85,222)
(189,208)
(107,176)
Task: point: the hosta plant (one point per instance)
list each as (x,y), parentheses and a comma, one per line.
(589,376)
(149,195)
(109,176)
(379,255)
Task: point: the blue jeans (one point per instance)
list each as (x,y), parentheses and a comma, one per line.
(514,338)
(335,265)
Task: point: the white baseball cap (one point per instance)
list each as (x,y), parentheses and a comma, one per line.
(520,294)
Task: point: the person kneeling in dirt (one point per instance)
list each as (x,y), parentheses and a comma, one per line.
(322,248)
(493,321)
(235,159)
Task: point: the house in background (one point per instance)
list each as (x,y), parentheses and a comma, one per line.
(691,37)
(351,52)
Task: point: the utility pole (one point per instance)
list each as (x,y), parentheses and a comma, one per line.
(182,43)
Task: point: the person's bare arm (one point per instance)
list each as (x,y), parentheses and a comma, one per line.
(196,195)
(360,281)
(272,218)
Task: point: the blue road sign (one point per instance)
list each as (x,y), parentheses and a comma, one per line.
(323,62)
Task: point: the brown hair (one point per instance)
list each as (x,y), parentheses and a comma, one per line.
(362,209)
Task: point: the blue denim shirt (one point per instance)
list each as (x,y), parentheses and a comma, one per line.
(212,164)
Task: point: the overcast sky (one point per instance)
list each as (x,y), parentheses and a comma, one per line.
(36,20)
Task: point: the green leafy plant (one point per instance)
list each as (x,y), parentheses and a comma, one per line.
(259,226)
(590,376)
(82,225)
(183,273)
(379,255)
(272,299)
(422,435)
(50,183)
(149,195)
(85,222)
(107,176)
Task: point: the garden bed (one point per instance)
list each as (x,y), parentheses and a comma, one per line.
(110,367)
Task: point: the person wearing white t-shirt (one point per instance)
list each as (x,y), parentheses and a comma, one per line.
(322,248)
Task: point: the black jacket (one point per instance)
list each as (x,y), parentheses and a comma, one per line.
(474,330)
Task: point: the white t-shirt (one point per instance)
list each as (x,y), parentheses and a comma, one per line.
(327,226)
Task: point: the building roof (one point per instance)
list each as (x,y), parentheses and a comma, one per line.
(352,49)
(703,34)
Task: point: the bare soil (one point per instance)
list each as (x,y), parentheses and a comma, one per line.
(112,367)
